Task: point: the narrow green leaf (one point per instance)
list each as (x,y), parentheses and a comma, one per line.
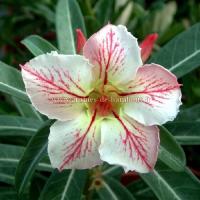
(113,190)
(141,190)
(18,126)
(7,174)
(189,114)
(37,45)
(26,109)
(35,151)
(113,171)
(186,133)
(11,154)
(170,151)
(168,185)
(7,193)
(182,54)
(11,82)
(9,157)
(68,18)
(65,185)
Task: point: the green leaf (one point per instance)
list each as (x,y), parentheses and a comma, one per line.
(170,151)
(35,151)
(11,82)
(7,174)
(7,193)
(11,154)
(141,190)
(8,156)
(65,185)
(26,109)
(37,45)
(113,171)
(113,190)
(182,54)
(18,126)
(107,8)
(186,133)
(189,114)
(68,18)
(168,185)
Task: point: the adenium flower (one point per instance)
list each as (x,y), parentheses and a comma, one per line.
(83,91)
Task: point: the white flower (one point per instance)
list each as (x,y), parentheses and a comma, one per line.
(106,103)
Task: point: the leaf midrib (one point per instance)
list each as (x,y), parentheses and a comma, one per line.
(166,184)
(67,184)
(17,128)
(184,60)
(30,167)
(110,191)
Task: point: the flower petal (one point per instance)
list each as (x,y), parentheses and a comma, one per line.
(129,144)
(80,41)
(154,95)
(74,143)
(56,84)
(147,46)
(115,53)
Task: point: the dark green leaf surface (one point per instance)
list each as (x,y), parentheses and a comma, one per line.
(189,114)
(68,18)
(11,82)
(182,54)
(37,45)
(168,185)
(66,185)
(26,109)
(7,193)
(7,174)
(34,152)
(170,151)
(141,190)
(186,133)
(11,154)
(18,126)
(111,189)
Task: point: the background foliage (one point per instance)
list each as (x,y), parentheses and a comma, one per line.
(44,25)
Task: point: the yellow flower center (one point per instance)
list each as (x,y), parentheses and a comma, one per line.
(104,100)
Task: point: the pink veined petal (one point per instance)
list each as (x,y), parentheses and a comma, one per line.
(115,53)
(80,41)
(74,143)
(147,46)
(154,95)
(58,84)
(129,144)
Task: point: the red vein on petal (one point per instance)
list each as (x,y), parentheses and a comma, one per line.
(111,34)
(135,143)
(151,91)
(67,75)
(109,55)
(74,150)
(49,81)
